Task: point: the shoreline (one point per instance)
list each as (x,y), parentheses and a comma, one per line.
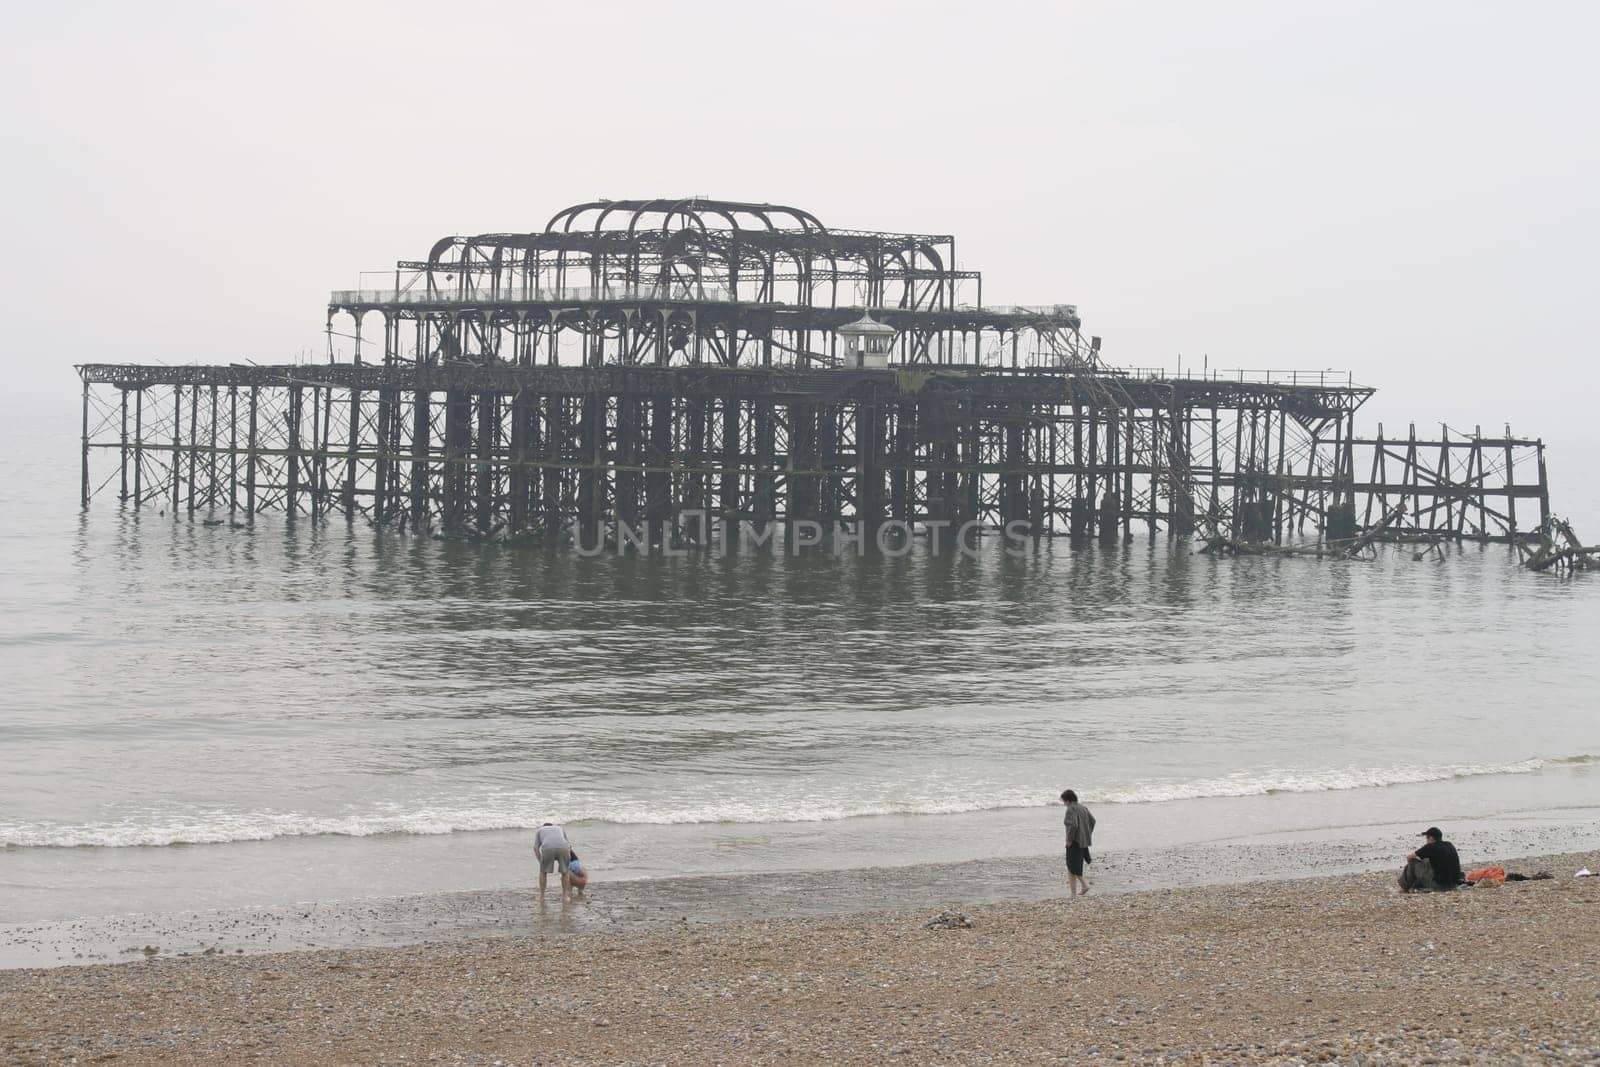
(1284,971)
(464,892)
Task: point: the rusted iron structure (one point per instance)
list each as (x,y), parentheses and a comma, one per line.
(672,366)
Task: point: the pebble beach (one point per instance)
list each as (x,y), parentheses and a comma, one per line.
(1336,970)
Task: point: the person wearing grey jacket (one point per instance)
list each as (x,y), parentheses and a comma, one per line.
(554,852)
(1079,823)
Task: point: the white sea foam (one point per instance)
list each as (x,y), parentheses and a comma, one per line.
(1263,783)
(514,811)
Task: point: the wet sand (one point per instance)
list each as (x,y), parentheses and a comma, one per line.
(70,914)
(1340,969)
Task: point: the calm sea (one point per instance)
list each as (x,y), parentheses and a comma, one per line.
(167,682)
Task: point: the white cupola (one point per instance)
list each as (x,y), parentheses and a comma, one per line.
(866,343)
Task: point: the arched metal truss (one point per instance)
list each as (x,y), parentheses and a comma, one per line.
(694,281)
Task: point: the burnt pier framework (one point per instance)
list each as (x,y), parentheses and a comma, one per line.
(664,364)
(546,450)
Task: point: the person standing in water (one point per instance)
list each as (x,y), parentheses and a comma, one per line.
(1079,822)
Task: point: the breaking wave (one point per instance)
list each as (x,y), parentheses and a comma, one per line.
(516,811)
(1259,783)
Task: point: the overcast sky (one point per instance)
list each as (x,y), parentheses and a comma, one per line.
(1404,190)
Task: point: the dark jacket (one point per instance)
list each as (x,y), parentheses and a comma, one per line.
(1441,856)
(1079,822)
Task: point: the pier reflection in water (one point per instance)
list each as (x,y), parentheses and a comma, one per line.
(203,683)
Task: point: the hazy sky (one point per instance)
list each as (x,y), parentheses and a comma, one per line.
(1405,190)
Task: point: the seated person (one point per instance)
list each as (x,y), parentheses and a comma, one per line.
(1433,867)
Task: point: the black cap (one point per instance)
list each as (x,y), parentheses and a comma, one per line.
(1432,831)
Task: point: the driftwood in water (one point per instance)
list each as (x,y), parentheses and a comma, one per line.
(1348,548)
(1217,545)
(1372,533)
(1560,549)
(1573,557)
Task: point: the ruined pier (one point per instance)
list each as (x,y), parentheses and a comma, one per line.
(674,365)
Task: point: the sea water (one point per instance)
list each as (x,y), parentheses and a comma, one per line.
(363,701)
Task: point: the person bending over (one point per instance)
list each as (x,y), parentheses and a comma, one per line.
(1433,867)
(554,852)
(1080,831)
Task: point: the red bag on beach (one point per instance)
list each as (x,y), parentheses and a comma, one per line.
(1497,875)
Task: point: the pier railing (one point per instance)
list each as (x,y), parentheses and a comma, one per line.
(673,292)
(577,294)
(1325,379)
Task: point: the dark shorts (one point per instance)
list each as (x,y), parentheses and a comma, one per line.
(1077,856)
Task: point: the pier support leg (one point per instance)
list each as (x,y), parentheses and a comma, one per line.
(175,467)
(123,455)
(85,440)
(292,458)
(252,453)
